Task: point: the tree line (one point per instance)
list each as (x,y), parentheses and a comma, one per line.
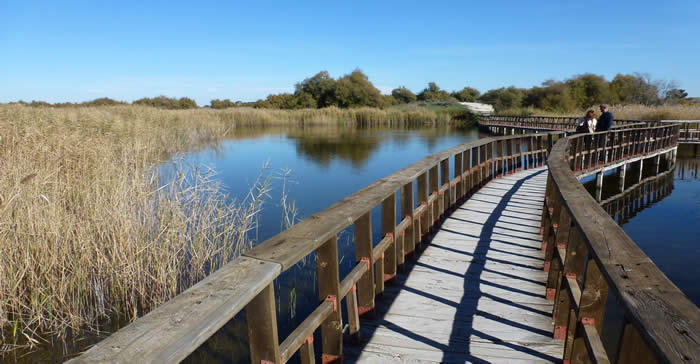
(355,90)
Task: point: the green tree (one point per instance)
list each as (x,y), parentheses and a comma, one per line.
(403,95)
(321,87)
(355,90)
(466,94)
(634,89)
(552,96)
(433,93)
(186,103)
(221,104)
(504,98)
(589,89)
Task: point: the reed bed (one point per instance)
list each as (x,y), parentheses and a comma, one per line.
(93,231)
(623,112)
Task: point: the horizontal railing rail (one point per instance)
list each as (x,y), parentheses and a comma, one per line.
(544,122)
(689,132)
(689,129)
(174,330)
(588,255)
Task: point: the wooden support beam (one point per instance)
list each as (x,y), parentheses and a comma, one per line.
(388,228)
(329,290)
(353,315)
(633,349)
(363,250)
(425,220)
(407,205)
(261,317)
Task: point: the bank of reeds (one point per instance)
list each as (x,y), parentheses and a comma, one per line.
(624,112)
(89,230)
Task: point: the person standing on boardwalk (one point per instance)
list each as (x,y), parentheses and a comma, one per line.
(605,122)
(587,124)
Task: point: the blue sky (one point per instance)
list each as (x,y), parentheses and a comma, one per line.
(77,51)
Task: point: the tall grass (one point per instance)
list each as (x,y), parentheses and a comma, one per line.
(624,112)
(90,228)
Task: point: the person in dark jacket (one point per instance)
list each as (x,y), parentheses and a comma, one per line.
(605,122)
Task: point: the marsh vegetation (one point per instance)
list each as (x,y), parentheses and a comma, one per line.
(93,229)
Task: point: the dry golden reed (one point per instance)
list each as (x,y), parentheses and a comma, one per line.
(90,231)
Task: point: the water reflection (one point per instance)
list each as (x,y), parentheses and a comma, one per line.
(626,205)
(324,149)
(687,170)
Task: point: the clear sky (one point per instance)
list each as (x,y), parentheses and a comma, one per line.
(76,51)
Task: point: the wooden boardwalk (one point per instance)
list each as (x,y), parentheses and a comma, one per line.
(477,292)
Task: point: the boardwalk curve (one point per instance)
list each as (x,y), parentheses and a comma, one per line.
(477,291)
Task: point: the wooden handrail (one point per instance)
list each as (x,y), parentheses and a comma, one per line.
(175,329)
(689,129)
(593,254)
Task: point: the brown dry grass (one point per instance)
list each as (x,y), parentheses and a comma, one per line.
(89,231)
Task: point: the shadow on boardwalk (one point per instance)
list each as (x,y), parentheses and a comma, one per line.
(476,293)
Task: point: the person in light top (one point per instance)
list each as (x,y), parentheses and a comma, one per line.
(587,123)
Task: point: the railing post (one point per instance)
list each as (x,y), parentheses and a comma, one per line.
(424,222)
(261,318)
(633,349)
(329,289)
(445,179)
(499,159)
(434,180)
(458,174)
(407,212)
(576,252)
(363,251)
(475,171)
(388,228)
(591,307)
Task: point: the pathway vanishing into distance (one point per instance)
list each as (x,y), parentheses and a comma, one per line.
(477,292)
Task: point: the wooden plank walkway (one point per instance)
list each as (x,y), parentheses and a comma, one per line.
(477,292)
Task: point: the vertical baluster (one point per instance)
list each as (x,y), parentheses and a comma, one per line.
(329,290)
(591,307)
(633,349)
(561,239)
(458,174)
(407,212)
(475,168)
(434,180)
(353,315)
(445,180)
(261,319)
(363,255)
(424,220)
(489,160)
(576,252)
(499,158)
(388,228)
(306,352)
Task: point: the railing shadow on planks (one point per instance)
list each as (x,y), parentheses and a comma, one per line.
(175,329)
(587,254)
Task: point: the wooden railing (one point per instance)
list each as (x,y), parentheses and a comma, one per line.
(689,132)
(174,330)
(588,255)
(689,129)
(543,122)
